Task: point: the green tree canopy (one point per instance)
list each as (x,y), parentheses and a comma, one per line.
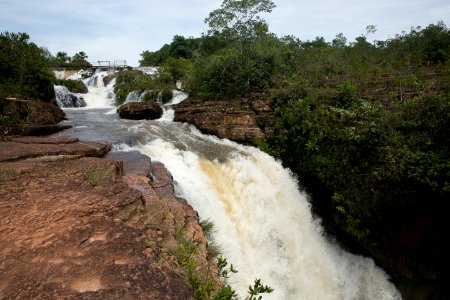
(239,17)
(80,58)
(24,68)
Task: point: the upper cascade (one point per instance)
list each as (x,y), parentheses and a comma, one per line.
(99,95)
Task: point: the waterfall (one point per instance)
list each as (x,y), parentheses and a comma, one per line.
(65,98)
(168,112)
(133,96)
(99,95)
(263,221)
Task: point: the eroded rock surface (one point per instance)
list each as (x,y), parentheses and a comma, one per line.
(241,121)
(30,147)
(75,228)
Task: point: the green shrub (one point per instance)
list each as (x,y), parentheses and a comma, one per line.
(75,86)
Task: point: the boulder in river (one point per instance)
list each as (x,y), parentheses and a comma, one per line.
(140,111)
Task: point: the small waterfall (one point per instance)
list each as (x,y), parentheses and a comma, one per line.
(65,98)
(99,95)
(133,96)
(168,112)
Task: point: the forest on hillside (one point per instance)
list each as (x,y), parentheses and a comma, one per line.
(363,124)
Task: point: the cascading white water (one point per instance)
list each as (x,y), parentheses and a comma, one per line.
(65,98)
(263,222)
(99,95)
(169,113)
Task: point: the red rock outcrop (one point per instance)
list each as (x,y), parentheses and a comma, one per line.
(74,227)
(241,121)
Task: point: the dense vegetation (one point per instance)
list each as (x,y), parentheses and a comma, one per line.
(155,88)
(24,70)
(364,125)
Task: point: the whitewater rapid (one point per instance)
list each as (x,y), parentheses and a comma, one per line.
(263,222)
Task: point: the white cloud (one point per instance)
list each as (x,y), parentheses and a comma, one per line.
(113,29)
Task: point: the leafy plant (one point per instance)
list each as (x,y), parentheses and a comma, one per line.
(258,288)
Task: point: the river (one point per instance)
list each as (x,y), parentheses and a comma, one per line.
(263,221)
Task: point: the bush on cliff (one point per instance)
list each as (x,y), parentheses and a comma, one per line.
(150,87)
(74,86)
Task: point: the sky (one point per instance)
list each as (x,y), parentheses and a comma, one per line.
(123,29)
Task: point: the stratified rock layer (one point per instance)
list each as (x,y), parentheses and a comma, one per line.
(242,121)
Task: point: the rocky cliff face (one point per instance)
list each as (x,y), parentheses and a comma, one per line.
(241,121)
(85,227)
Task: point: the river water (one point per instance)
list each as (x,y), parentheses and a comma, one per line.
(263,222)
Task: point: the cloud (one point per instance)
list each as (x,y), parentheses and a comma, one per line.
(113,29)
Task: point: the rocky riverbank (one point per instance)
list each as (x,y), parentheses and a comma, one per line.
(75,225)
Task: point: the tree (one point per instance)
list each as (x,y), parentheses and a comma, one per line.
(80,58)
(240,17)
(340,41)
(62,58)
(24,68)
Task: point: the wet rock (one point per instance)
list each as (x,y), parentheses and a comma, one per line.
(135,163)
(35,130)
(140,111)
(161,178)
(44,140)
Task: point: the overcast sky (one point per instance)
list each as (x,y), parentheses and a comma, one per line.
(123,29)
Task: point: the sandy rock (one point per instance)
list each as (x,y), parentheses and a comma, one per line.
(61,237)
